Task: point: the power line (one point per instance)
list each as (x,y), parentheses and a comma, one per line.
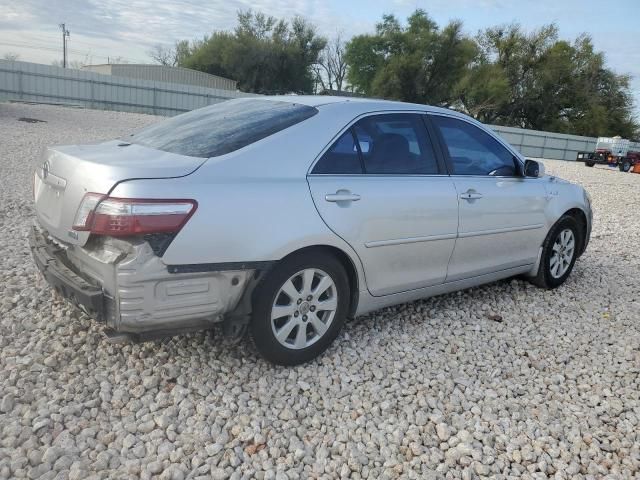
(69,50)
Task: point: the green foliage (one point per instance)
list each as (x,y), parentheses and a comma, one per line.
(553,84)
(504,75)
(264,54)
(416,63)
(482,90)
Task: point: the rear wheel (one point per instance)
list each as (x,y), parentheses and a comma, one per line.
(299,308)
(589,164)
(559,253)
(624,166)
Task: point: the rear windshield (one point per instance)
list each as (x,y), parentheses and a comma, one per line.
(222,128)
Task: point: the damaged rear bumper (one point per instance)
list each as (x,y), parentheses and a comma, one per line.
(89,297)
(124,284)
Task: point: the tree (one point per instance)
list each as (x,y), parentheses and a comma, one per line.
(331,68)
(481,91)
(505,75)
(418,62)
(171,56)
(264,54)
(551,84)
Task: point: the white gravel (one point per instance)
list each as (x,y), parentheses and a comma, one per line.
(431,389)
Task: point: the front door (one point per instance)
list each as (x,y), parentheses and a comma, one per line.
(381,189)
(502,216)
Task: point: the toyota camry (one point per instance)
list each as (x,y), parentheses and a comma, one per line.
(286,215)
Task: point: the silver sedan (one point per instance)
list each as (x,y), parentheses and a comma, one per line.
(287,215)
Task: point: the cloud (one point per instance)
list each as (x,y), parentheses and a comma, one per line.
(129,28)
(147,22)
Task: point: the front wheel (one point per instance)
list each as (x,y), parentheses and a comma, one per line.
(299,308)
(559,253)
(589,164)
(624,166)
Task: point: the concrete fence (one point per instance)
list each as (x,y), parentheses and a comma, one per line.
(32,82)
(558,146)
(537,144)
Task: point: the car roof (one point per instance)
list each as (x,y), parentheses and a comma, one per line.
(359,103)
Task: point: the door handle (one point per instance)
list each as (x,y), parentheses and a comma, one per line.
(470,195)
(342,196)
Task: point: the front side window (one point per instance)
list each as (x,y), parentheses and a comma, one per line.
(474,152)
(392,144)
(222,128)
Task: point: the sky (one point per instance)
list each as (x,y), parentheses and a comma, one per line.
(130,28)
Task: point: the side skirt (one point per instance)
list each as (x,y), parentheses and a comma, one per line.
(369,303)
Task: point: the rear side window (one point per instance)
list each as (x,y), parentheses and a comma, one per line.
(222,128)
(391,144)
(474,152)
(341,158)
(395,143)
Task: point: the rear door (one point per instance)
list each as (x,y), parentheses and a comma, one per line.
(501,212)
(381,188)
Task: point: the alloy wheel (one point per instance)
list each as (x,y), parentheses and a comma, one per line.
(304,308)
(562,253)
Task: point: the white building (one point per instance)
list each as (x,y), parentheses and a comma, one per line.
(163,73)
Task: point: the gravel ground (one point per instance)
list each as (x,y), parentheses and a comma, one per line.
(505,381)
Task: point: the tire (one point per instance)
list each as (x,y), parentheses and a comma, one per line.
(302,308)
(624,166)
(589,164)
(548,275)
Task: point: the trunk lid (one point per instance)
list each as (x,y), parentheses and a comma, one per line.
(68,172)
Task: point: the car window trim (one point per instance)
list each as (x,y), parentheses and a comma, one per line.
(445,149)
(145,132)
(349,126)
(434,135)
(356,142)
(425,132)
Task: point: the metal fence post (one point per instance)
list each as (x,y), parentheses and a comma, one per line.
(20,91)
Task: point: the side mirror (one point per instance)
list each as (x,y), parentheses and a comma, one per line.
(533,169)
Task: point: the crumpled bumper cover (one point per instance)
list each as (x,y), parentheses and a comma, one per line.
(48,257)
(124,284)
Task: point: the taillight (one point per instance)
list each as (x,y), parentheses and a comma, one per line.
(104,215)
(84,215)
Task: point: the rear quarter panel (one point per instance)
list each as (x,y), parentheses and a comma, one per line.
(239,220)
(254,204)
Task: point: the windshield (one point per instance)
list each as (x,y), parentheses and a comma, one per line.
(222,128)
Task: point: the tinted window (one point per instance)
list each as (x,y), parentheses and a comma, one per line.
(341,158)
(474,152)
(223,127)
(395,144)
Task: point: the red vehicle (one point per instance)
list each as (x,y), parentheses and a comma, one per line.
(613,152)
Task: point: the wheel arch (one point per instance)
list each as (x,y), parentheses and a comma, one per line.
(581,217)
(348,264)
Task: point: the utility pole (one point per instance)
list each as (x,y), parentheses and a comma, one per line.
(65,35)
